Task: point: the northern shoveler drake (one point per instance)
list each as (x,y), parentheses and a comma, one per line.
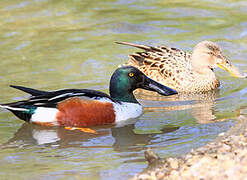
(84,107)
(181,70)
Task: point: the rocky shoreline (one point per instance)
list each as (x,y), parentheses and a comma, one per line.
(224,158)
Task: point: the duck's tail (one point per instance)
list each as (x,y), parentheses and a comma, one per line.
(135,59)
(22,112)
(144,47)
(21,109)
(31,91)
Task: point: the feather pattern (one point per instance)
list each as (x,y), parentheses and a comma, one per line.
(171,67)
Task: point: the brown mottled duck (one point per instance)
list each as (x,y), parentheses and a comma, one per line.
(181,70)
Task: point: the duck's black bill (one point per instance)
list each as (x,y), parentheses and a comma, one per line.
(152,85)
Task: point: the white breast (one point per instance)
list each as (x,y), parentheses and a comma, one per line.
(126,111)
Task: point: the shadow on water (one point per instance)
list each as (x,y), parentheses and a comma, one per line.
(124,137)
(201,104)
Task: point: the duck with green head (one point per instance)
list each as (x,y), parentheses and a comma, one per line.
(85,107)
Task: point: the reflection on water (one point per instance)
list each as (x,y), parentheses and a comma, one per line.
(201,104)
(51,45)
(124,137)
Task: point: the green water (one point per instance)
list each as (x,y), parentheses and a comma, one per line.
(70,44)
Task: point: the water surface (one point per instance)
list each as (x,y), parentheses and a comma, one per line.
(50,44)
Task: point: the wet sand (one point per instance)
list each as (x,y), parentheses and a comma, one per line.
(224,158)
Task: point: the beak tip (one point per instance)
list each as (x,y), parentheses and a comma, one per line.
(174,92)
(169,92)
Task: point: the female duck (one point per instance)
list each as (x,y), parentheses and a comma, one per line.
(84,107)
(180,70)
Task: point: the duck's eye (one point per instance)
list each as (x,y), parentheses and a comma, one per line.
(131,74)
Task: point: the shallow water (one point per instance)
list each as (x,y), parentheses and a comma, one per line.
(70,44)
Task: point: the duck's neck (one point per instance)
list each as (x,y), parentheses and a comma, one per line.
(122,94)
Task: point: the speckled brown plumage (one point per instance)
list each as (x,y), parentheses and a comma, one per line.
(180,70)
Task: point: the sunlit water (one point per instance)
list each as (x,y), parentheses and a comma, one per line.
(70,44)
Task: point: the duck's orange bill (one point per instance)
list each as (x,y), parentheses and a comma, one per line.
(86,130)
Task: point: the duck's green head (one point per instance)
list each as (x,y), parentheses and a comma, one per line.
(128,78)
